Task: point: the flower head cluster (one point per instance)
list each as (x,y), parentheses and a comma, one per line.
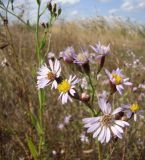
(117,79)
(106,125)
(51,75)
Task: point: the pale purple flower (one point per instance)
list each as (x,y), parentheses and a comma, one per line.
(101,50)
(133,110)
(47,75)
(68,54)
(117,78)
(51,55)
(104,126)
(67,89)
(84,138)
(82,57)
(84,83)
(67,119)
(61,126)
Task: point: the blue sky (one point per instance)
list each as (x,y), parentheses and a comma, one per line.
(75,9)
(134,9)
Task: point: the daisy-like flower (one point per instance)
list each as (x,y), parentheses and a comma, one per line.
(117,79)
(101,50)
(49,75)
(67,89)
(68,54)
(104,126)
(82,57)
(133,110)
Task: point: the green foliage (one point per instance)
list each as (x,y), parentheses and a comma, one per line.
(32,148)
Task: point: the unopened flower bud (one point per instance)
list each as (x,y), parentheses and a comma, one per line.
(49,6)
(54,8)
(85,97)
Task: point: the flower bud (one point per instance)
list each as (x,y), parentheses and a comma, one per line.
(49,6)
(85,97)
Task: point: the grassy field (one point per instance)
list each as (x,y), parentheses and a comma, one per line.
(18,92)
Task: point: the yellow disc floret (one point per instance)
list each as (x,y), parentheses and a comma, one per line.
(135,107)
(81,57)
(117,77)
(64,86)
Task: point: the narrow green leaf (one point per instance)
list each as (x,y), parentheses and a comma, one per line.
(43,43)
(32,148)
(38,2)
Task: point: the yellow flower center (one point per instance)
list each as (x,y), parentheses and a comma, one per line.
(81,57)
(64,86)
(50,75)
(117,77)
(135,107)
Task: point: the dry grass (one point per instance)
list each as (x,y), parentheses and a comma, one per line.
(18,93)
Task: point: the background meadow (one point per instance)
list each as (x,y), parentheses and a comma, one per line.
(66,139)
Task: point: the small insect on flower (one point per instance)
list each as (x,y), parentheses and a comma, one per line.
(133,110)
(67,89)
(101,50)
(117,79)
(68,54)
(47,75)
(106,125)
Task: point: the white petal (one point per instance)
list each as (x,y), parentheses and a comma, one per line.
(135,117)
(102,104)
(118,128)
(97,132)
(51,64)
(42,83)
(128,83)
(117,110)
(119,89)
(72,92)
(108,73)
(102,134)
(108,135)
(126,79)
(121,123)
(93,127)
(125,123)
(60,96)
(56,65)
(91,120)
(55,84)
(115,132)
(108,109)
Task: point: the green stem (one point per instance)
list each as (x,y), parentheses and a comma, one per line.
(99,151)
(93,89)
(41,95)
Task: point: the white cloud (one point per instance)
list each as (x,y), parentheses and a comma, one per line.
(113,11)
(74,13)
(133,5)
(141,5)
(67,1)
(127,6)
